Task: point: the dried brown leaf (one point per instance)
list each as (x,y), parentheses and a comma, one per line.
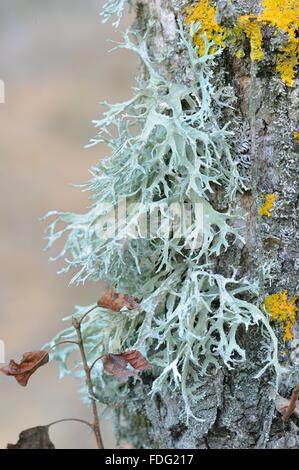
(33,438)
(136,360)
(30,362)
(125,364)
(282,406)
(115,302)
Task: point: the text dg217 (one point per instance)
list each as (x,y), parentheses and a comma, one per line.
(170,459)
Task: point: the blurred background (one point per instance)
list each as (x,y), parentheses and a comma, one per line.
(56,68)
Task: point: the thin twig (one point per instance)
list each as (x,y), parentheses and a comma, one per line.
(96,423)
(67,341)
(42,358)
(71,419)
(87,313)
(96,420)
(94,362)
(292,404)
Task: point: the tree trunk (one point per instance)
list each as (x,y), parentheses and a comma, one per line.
(237,410)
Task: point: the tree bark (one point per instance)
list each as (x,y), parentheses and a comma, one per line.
(238,410)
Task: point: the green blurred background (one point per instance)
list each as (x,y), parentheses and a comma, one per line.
(55,64)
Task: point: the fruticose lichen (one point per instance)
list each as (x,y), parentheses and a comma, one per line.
(269,201)
(282,16)
(283,310)
(113,8)
(167,146)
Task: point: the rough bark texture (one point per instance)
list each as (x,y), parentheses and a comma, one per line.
(238,410)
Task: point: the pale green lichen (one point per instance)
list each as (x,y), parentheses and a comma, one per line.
(173,158)
(113,8)
(168,147)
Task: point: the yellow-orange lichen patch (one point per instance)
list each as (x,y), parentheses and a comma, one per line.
(283,310)
(251,25)
(287,60)
(204,13)
(269,201)
(283,15)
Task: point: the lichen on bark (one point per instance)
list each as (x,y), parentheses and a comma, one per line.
(234,408)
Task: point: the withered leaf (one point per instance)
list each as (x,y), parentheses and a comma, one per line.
(136,360)
(125,364)
(115,302)
(33,438)
(30,362)
(288,407)
(282,405)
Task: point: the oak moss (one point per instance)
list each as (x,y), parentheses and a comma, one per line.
(168,144)
(283,310)
(113,8)
(280,15)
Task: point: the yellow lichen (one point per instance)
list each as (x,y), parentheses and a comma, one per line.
(287,60)
(205,14)
(251,26)
(269,201)
(283,310)
(296,135)
(283,15)
(240,54)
